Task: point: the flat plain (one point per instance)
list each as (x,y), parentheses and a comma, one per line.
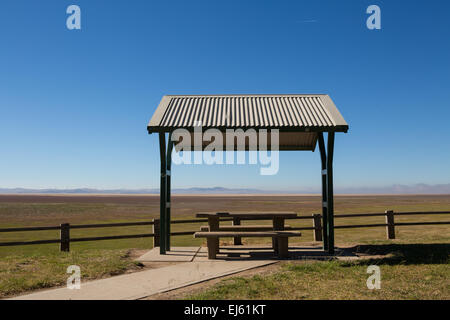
(24,268)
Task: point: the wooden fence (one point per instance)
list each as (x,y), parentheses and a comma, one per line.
(65,239)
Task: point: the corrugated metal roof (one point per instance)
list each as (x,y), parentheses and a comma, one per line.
(296,112)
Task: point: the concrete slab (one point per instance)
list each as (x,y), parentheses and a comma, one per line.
(244,252)
(176,254)
(258,252)
(145,283)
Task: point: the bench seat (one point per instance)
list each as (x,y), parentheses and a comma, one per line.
(212,237)
(255,234)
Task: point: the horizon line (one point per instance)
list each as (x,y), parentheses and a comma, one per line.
(222,194)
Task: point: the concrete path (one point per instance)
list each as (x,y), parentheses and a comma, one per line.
(192,266)
(145,283)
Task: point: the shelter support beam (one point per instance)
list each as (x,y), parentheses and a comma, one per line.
(326,157)
(163,193)
(323,158)
(168,182)
(330,195)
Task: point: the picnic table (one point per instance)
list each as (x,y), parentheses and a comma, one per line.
(277,232)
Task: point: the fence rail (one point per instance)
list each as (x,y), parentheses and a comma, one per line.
(65,239)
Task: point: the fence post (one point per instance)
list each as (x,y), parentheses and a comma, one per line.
(390,228)
(156,235)
(237,222)
(64,235)
(317,224)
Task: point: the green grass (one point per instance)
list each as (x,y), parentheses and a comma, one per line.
(411,271)
(19,273)
(31,267)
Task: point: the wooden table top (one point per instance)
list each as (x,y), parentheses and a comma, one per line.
(268,215)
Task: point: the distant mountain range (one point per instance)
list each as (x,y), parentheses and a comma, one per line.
(214,190)
(393,189)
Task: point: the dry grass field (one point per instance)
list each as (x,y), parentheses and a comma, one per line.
(25,268)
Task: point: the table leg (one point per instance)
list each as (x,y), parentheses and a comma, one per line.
(278,225)
(283,245)
(213,223)
(212,248)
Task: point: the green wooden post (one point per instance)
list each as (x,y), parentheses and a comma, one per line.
(64,237)
(156,237)
(330,196)
(317,225)
(163,190)
(168,199)
(390,228)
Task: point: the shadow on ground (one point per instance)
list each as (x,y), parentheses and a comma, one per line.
(392,254)
(388,254)
(249,252)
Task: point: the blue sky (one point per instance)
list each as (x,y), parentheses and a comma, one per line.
(74,104)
